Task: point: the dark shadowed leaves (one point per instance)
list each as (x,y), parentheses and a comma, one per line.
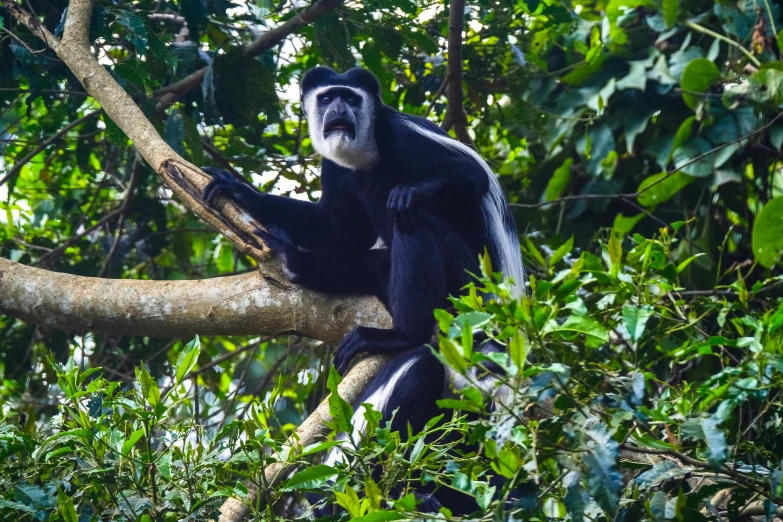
(242,97)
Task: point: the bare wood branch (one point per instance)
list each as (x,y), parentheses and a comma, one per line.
(455,117)
(248,304)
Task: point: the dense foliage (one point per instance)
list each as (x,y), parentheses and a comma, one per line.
(640,142)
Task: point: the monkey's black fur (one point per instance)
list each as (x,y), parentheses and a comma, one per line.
(425,197)
(422,199)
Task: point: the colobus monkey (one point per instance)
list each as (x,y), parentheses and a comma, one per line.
(432,201)
(434,204)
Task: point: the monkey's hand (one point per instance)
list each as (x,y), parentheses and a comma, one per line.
(352,345)
(291,258)
(226,184)
(402,202)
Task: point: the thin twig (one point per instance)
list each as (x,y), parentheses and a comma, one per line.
(440,90)
(137,165)
(56,137)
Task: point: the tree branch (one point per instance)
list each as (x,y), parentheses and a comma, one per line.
(312,430)
(11,174)
(248,304)
(170,94)
(456,117)
(184,179)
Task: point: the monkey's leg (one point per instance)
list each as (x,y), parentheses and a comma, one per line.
(427,263)
(341,272)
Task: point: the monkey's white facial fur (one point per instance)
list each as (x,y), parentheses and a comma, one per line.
(341,121)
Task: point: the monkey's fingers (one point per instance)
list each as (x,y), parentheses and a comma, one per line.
(345,353)
(275,244)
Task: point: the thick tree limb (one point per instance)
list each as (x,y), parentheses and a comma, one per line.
(248,304)
(455,117)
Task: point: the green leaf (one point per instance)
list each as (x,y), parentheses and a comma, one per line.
(149,388)
(625,224)
(159,50)
(636,77)
(164,466)
(670,10)
(193,140)
(452,355)
(517,349)
(406,503)
(562,251)
(348,500)
(373,493)
(573,499)
(444,319)
(10,504)
(174,132)
(595,334)
(132,440)
(663,187)
(66,508)
(658,506)
(31,494)
(136,27)
(767,239)
(763,88)
(615,249)
(136,71)
(310,478)
(113,131)
(187,359)
(604,482)
(559,181)
(241,97)
(684,133)
(699,75)
(635,319)
(707,429)
(533,251)
(553,508)
(659,473)
(780,41)
(340,410)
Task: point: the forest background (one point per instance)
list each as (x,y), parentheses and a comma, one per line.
(639,143)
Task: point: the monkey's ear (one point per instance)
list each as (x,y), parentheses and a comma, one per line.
(316,77)
(363,79)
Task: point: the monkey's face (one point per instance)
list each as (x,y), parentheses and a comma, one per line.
(341,122)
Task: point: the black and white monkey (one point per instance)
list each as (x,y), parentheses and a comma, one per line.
(432,201)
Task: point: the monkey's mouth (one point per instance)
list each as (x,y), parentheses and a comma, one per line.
(340,125)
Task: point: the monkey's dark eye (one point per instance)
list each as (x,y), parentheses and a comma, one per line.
(353,100)
(326,99)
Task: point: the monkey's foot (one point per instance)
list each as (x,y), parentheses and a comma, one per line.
(369,340)
(224,183)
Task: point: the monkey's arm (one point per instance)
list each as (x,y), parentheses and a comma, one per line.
(458,174)
(336,221)
(337,272)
